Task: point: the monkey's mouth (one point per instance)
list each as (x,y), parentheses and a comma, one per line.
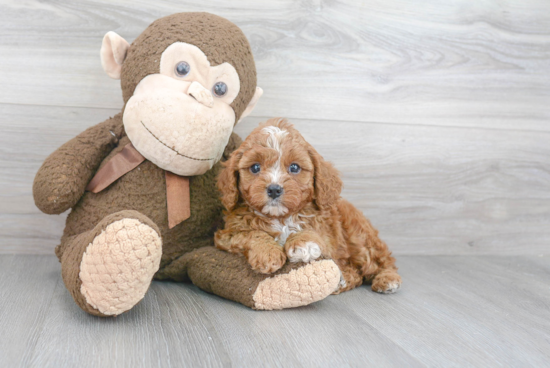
(173,150)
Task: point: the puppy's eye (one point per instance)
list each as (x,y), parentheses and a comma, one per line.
(220,89)
(294,169)
(254,169)
(182,69)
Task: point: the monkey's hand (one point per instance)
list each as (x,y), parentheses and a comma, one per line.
(62,178)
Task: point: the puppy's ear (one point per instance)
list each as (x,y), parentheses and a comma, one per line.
(228,181)
(327,182)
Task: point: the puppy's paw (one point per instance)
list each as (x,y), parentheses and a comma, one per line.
(386,282)
(305,252)
(266,260)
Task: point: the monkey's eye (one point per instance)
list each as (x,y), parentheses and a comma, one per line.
(220,89)
(254,169)
(182,69)
(294,169)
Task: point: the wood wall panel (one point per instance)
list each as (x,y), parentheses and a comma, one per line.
(435,112)
(430,190)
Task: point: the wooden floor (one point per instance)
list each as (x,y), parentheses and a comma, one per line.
(452,311)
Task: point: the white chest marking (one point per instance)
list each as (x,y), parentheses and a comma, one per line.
(285,229)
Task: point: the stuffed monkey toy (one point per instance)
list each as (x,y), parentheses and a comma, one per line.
(141,186)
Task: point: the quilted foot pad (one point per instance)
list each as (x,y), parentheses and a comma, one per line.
(305,285)
(118,266)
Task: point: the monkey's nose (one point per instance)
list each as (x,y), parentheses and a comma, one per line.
(274,191)
(201,94)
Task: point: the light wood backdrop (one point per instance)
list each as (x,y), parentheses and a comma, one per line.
(436,112)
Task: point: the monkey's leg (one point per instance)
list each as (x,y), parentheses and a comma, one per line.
(108,269)
(230,276)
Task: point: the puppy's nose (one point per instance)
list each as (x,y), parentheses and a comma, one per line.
(274,191)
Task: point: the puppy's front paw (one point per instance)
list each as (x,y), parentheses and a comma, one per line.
(305,252)
(266,260)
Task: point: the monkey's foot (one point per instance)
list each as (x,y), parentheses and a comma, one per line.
(301,286)
(118,265)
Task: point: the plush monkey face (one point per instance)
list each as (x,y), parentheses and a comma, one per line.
(181,117)
(185,92)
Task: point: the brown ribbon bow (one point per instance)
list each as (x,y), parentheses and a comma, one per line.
(177,187)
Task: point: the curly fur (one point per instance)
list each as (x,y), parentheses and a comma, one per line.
(309,219)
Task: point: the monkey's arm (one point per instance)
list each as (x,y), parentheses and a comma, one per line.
(64,175)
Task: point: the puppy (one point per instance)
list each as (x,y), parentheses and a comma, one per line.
(283,202)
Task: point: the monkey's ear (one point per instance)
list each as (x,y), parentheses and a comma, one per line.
(113,52)
(259,92)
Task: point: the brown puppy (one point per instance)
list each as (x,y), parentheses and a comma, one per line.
(283,201)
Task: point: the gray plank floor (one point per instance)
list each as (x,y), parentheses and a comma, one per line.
(452,311)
